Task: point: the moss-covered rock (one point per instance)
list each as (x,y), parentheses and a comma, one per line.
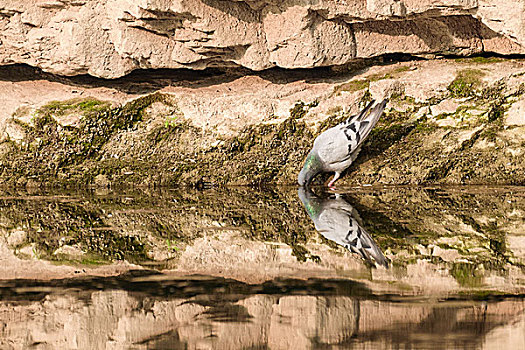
(151,142)
(466,82)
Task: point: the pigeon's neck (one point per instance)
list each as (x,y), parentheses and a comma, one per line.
(312,208)
(310,201)
(312,162)
(312,167)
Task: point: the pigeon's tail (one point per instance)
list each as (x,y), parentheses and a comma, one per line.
(365,246)
(361,114)
(368,122)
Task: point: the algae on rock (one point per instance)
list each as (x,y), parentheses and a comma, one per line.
(155,140)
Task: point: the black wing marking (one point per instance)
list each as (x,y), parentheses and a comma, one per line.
(360,242)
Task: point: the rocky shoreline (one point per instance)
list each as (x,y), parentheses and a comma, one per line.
(449,121)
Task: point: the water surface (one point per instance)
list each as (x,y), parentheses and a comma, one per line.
(240,268)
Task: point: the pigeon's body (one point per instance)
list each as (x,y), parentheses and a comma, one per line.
(336,148)
(338,221)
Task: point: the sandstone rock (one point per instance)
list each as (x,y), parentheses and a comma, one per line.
(101,181)
(506,335)
(386,88)
(446,254)
(16,237)
(517,244)
(113,37)
(503,17)
(444,107)
(219,107)
(28,251)
(516,114)
(71,252)
(13,132)
(122,319)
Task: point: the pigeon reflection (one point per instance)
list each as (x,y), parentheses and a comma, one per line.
(337,221)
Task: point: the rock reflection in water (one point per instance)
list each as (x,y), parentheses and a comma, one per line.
(144,310)
(439,240)
(339,222)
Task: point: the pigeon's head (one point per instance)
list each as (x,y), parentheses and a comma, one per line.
(312,166)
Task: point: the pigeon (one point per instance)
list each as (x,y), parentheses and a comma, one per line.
(338,221)
(336,148)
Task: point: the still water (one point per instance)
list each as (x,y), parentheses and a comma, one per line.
(366,268)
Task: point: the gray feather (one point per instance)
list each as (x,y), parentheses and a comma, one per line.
(336,145)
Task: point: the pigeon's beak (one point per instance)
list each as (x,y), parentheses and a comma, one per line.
(306,194)
(302,177)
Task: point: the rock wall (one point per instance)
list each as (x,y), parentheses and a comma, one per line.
(111,38)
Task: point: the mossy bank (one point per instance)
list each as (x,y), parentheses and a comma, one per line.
(457,132)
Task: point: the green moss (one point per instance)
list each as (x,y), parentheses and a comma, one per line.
(113,246)
(382,138)
(88,259)
(302,254)
(404,222)
(400,70)
(496,111)
(352,86)
(466,275)
(490,133)
(113,141)
(331,121)
(479,60)
(393,116)
(366,98)
(175,119)
(442,169)
(442,116)
(51,224)
(300,109)
(91,105)
(80,106)
(424,126)
(52,148)
(391,74)
(379,76)
(406,99)
(466,83)
(494,92)
(481,295)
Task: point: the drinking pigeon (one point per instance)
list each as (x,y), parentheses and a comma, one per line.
(338,221)
(336,148)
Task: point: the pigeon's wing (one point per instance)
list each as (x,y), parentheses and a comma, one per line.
(335,219)
(334,146)
(367,123)
(359,241)
(358,130)
(340,143)
(337,224)
(332,223)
